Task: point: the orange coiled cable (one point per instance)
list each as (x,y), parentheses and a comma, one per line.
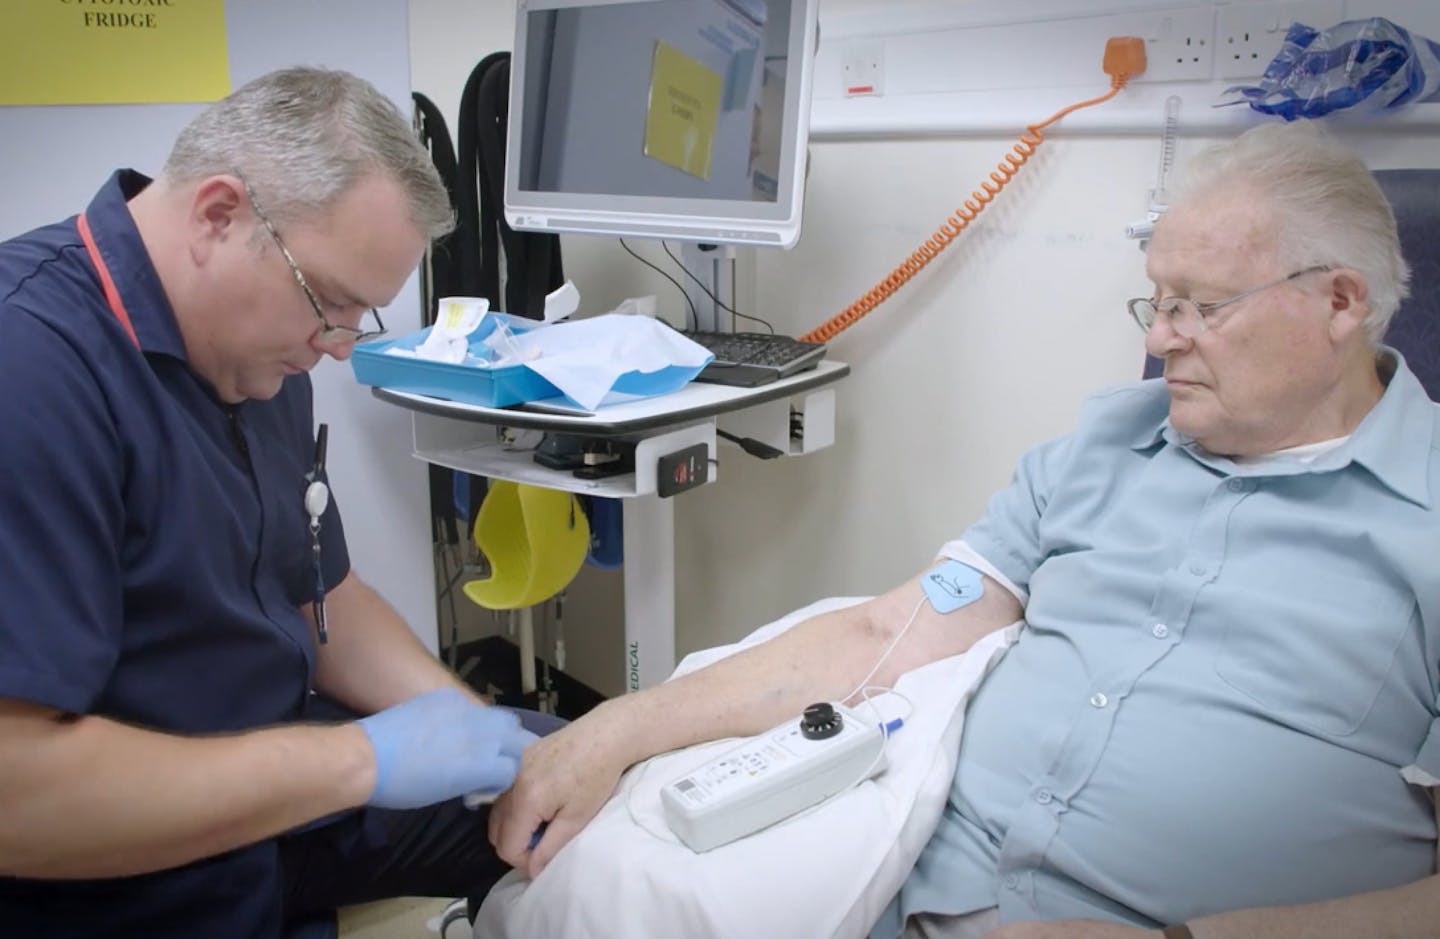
(1005,170)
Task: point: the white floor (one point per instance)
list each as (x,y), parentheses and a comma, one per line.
(401,918)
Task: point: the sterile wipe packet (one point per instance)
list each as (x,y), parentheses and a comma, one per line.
(501,341)
(647,305)
(456,319)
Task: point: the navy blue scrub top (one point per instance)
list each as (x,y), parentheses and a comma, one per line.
(154,552)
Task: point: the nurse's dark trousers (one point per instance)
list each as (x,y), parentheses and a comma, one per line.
(375,854)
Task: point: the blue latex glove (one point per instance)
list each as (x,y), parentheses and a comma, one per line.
(441,745)
(473,800)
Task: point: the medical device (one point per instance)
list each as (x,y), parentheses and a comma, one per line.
(680,119)
(774,775)
(1160,195)
(801,763)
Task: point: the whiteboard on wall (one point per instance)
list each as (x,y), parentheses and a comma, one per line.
(55,158)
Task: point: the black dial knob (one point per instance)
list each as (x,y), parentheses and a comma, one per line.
(819,722)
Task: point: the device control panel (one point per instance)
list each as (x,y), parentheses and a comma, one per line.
(772,776)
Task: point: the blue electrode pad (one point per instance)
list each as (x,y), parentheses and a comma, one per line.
(951,585)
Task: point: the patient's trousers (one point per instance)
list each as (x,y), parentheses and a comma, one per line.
(974,925)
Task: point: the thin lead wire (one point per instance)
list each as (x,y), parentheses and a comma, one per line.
(864,682)
(694,314)
(701,284)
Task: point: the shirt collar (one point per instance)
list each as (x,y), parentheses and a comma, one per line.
(1393,441)
(134,275)
(1149,433)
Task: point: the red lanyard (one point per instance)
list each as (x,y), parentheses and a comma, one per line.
(112,295)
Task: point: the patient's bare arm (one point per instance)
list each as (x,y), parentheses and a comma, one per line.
(567,776)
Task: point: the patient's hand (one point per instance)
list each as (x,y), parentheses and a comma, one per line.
(564,780)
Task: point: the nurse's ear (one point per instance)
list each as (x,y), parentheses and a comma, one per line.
(219,215)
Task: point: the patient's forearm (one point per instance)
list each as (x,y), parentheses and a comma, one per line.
(821,659)
(567,776)
(1408,912)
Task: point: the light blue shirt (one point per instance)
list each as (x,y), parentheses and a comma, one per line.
(1223,671)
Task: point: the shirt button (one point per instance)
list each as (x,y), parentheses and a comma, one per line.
(1198,570)
(1043,797)
(1159,630)
(1011,882)
(1098,700)
(1236,485)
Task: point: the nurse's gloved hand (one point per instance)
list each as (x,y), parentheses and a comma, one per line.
(441,745)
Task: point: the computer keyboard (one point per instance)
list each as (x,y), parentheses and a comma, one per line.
(749,359)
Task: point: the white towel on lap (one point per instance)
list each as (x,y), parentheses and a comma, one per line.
(826,873)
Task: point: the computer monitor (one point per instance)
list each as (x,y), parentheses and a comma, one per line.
(671,119)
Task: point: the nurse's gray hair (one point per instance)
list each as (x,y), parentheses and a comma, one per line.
(302,137)
(1329,207)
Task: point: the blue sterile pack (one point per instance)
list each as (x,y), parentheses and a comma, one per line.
(582,361)
(1368,65)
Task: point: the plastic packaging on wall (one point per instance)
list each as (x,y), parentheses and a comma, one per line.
(1370,65)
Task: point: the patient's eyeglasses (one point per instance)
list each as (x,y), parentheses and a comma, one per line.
(1189,318)
(329,332)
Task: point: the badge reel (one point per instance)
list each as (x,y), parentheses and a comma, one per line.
(317,499)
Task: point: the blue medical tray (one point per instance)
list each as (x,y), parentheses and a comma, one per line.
(489,387)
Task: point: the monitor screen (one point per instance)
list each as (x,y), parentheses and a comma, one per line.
(683,119)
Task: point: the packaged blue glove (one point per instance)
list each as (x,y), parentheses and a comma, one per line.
(441,745)
(1371,65)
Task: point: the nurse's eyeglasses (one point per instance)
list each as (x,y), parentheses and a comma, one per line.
(329,332)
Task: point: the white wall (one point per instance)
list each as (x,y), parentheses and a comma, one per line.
(989,351)
(54,158)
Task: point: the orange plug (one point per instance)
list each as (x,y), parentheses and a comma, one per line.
(1124,56)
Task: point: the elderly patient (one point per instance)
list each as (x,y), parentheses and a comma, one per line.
(1220,715)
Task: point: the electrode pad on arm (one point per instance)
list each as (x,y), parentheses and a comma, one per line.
(951,585)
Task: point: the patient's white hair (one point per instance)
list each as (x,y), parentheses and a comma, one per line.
(1329,208)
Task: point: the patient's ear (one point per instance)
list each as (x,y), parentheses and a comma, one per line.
(1348,296)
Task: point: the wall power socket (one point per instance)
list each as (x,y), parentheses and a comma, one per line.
(772,776)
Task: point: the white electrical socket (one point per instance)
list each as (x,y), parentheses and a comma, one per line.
(1179,45)
(1248,35)
(863,68)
